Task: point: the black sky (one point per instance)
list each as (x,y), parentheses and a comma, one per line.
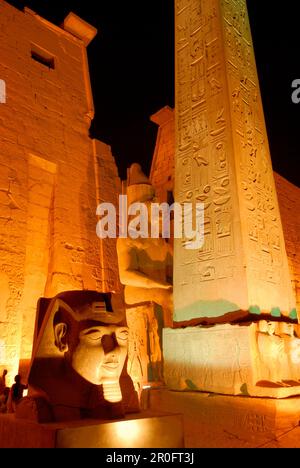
(132,71)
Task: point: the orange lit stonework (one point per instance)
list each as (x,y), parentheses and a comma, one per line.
(222,159)
(235,330)
(52,175)
(163,171)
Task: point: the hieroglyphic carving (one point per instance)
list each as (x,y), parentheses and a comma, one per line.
(202,126)
(11,202)
(223,161)
(138,358)
(203,140)
(144,348)
(263,240)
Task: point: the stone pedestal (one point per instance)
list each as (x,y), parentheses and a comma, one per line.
(258,359)
(217,421)
(149,430)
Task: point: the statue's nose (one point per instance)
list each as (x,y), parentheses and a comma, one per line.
(109,343)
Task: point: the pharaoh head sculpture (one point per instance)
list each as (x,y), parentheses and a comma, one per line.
(78,362)
(93,341)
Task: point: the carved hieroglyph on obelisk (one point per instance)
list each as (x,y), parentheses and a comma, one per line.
(223,160)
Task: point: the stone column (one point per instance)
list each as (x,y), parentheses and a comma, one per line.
(223,160)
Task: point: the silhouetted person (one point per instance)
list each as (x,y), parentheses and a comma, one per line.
(15,394)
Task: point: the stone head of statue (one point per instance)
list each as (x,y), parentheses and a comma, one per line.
(93,341)
(79,356)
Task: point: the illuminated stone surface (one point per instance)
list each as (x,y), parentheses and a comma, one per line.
(79,28)
(145,268)
(218,421)
(289,203)
(223,160)
(145,347)
(162,171)
(78,363)
(52,176)
(145,264)
(153,429)
(258,359)
(162,168)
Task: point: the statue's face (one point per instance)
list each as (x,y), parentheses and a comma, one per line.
(100,353)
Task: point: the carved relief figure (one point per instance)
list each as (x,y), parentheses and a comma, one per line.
(155,349)
(138,359)
(278,348)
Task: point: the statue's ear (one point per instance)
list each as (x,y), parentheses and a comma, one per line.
(60,333)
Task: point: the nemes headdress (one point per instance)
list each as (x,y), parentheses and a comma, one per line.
(139,188)
(80,306)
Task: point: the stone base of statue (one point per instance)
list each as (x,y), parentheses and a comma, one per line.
(146,430)
(220,421)
(256,359)
(144,345)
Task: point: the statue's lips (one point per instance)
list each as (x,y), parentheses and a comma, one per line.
(111,365)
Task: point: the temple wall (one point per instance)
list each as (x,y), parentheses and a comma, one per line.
(50,176)
(289,203)
(108,189)
(162,171)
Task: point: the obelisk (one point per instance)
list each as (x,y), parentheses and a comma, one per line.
(223,160)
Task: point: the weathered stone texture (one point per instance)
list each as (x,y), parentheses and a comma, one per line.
(162,169)
(48,171)
(288,194)
(222,159)
(218,421)
(289,204)
(257,359)
(108,188)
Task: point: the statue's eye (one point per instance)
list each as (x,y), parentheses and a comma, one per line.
(93,334)
(122,334)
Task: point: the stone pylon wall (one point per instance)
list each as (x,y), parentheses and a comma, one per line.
(162,168)
(289,203)
(49,176)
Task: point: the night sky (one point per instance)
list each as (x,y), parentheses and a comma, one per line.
(132,72)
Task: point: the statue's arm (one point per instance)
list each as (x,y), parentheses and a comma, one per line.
(130,275)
